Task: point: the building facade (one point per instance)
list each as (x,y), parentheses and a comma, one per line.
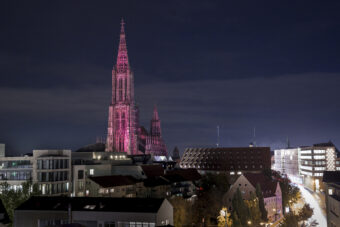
(122,123)
(271,191)
(235,160)
(16,170)
(124,132)
(154,141)
(314,160)
(52,171)
(331,180)
(287,161)
(93,212)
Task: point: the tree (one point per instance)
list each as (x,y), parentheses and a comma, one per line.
(224,218)
(305,213)
(253,210)
(182,208)
(263,210)
(290,193)
(240,208)
(11,198)
(290,220)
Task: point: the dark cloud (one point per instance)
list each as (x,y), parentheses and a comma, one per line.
(237,64)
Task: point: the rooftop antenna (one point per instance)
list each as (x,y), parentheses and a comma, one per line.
(254,136)
(288,142)
(218,136)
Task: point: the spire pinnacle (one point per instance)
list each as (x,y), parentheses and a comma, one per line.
(122,29)
(122,59)
(155,116)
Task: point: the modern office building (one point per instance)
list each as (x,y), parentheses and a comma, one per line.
(235,160)
(287,161)
(93,212)
(2,150)
(316,159)
(52,171)
(16,170)
(331,181)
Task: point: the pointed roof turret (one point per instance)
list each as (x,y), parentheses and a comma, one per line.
(122,59)
(155,116)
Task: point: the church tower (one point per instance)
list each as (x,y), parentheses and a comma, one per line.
(122,123)
(154,142)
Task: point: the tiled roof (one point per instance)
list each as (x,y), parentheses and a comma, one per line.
(268,186)
(331,176)
(153,170)
(114,180)
(227,159)
(105,204)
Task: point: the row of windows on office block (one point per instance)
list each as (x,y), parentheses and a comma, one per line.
(22,164)
(15,175)
(53,176)
(53,163)
(50,189)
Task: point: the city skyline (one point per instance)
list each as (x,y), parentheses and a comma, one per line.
(203,64)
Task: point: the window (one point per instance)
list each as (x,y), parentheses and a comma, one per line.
(80,174)
(91,171)
(330,191)
(109,224)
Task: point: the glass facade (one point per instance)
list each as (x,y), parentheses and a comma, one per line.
(53,163)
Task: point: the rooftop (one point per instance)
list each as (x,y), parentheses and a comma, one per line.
(106,204)
(268,186)
(331,176)
(114,180)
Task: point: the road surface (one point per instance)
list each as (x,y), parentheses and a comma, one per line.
(313,199)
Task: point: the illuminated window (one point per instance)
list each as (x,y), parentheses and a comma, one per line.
(91,171)
(330,191)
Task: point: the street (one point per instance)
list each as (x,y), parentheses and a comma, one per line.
(314,201)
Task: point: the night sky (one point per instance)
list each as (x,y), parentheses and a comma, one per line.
(273,65)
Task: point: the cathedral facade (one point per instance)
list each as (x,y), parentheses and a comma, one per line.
(124,133)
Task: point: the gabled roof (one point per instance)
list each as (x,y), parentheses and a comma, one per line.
(153,170)
(331,177)
(93,204)
(268,186)
(114,180)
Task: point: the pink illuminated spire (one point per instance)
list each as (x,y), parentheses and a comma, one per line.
(155,116)
(122,59)
(155,129)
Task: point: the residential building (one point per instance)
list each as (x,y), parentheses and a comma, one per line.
(93,212)
(235,160)
(117,186)
(331,180)
(314,160)
(271,191)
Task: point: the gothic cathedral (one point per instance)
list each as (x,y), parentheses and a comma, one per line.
(124,133)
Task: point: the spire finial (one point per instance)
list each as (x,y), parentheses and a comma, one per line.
(155,113)
(122,23)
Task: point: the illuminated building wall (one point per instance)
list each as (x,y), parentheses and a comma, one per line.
(154,142)
(287,161)
(314,161)
(124,133)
